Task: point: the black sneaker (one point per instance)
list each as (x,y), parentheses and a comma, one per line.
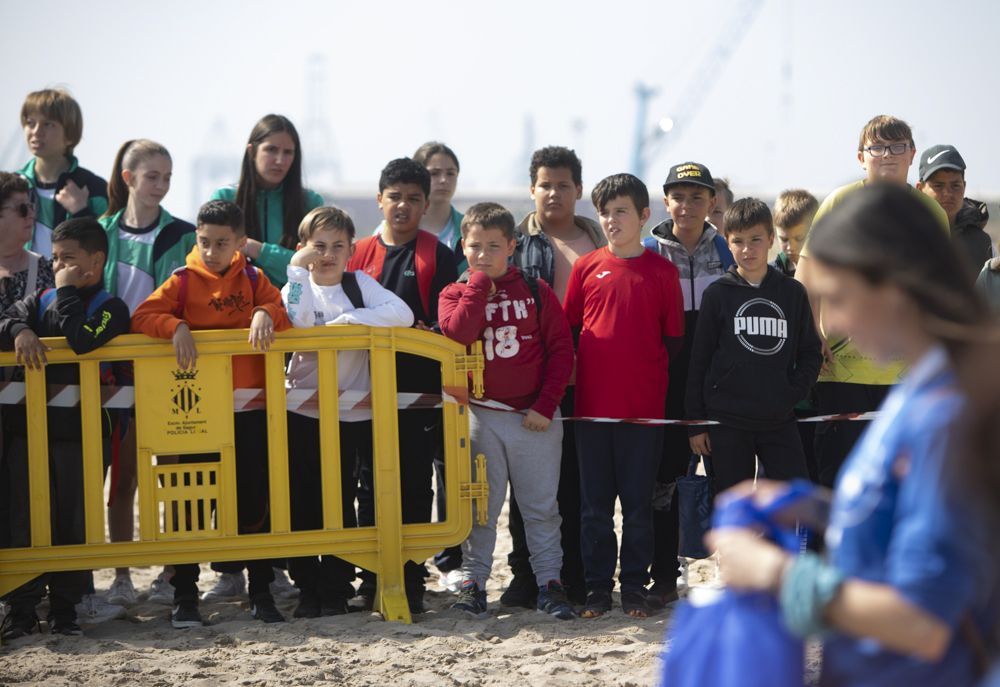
(308,606)
(598,603)
(185,615)
(552,601)
(522,592)
(18,623)
(64,624)
(262,608)
(636,605)
(471,600)
(660,595)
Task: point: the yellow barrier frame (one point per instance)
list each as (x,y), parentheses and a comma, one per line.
(382,548)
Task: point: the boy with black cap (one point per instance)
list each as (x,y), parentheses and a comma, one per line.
(942,177)
(701,256)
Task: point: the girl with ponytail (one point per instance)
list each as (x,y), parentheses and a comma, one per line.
(271,195)
(145,243)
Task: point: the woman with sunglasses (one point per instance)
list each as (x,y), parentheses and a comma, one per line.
(21,271)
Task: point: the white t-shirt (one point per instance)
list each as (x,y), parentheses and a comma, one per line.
(311,305)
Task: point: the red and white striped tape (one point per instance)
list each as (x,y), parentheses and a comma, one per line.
(123,397)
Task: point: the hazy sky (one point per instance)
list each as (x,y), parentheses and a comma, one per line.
(197,75)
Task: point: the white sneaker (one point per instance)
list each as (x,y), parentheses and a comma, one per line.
(228,586)
(281,587)
(451,581)
(161,591)
(92,610)
(122,591)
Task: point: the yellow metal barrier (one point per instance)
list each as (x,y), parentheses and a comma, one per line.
(179,412)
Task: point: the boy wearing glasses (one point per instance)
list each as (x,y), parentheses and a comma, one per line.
(850,382)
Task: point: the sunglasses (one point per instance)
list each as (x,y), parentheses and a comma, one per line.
(23,209)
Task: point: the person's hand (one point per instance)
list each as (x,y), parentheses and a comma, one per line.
(71,275)
(30,350)
(812,510)
(251,248)
(72,197)
(700,444)
(827,366)
(420,324)
(261,331)
(187,352)
(535,421)
(305,257)
(747,561)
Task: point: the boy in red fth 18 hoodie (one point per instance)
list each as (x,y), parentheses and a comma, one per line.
(218,289)
(529,358)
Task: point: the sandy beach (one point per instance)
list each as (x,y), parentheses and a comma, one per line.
(512,647)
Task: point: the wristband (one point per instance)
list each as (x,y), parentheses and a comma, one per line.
(807,587)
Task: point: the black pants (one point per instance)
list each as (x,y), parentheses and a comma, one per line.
(252,504)
(617,461)
(834,440)
(735,452)
(569,510)
(450,558)
(328,577)
(66,516)
(419,440)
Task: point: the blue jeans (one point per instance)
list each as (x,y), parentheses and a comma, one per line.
(617,461)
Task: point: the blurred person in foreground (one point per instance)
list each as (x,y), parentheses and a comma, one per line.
(905,594)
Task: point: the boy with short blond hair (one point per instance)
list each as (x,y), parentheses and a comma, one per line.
(529,358)
(53,126)
(626,303)
(755,355)
(219,289)
(794,210)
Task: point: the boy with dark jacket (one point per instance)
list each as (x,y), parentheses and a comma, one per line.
(756,354)
(79,309)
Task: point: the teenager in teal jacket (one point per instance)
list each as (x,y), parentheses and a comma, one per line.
(271,195)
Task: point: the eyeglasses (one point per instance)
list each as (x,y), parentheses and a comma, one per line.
(23,209)
(880,150)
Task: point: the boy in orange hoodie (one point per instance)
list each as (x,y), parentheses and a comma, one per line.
(218,289)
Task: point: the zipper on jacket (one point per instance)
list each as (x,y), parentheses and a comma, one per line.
(691,277)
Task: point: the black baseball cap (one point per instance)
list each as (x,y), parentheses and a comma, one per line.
(940,157)
(689,173)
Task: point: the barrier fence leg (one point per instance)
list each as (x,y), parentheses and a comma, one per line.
(390,597)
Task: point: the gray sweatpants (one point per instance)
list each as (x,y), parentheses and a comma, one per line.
(530,462)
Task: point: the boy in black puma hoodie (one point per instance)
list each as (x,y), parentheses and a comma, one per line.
(755,355)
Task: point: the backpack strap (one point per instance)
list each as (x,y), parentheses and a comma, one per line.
(533,287)
(46,300)
(426,264)
(252,275)
(349,283)
(722,248)
(369,257)
(182,278)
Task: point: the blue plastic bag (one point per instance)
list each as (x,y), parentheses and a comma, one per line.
(725,638)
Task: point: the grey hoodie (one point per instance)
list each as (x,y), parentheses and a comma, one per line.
(710,260)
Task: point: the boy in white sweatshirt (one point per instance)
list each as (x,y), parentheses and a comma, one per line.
(320,292)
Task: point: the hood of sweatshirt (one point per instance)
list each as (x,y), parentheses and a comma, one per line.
(195,263)
(697,269)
